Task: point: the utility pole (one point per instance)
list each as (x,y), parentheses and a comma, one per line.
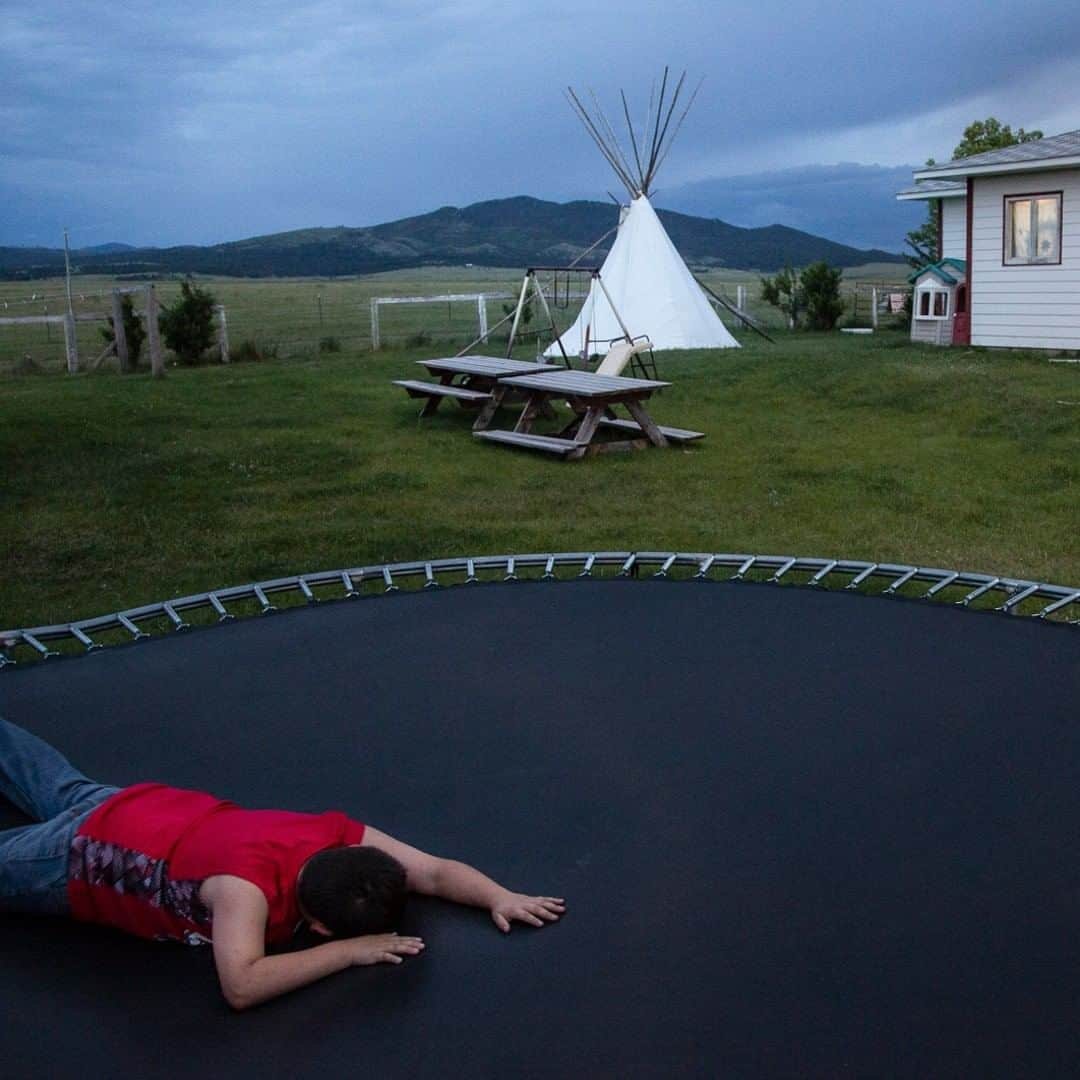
(69,325)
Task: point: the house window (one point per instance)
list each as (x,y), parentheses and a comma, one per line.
(1032,229)
(933,304)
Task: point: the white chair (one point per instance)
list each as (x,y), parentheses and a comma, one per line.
(623,353)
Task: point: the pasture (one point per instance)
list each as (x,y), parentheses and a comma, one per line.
(297,318)
(124,490)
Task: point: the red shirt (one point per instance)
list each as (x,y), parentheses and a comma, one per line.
(139,859)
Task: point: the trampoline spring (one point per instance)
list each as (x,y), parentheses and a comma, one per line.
(1018,598)
(219,607)
(267,607)
(980,591)
(783,569)
(549,569)
(350,588)
(33,642)
(823,573)
(668,563)
(510,575)
(586,570)
(470,572)
(84,638)
(628,567)
(861,576)
(305,588)
(429,577)
(944,583)
(178,623)
(901,581)
(744,568)
(389,579)
(1057,605)
(131,628)
(705,567)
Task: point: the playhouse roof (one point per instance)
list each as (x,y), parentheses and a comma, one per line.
(940,270)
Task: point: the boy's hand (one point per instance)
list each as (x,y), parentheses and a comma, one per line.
(381,949)
(534,910)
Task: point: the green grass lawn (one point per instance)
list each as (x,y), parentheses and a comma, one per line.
(119,491)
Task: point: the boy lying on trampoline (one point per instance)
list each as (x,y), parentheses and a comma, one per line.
(166,863)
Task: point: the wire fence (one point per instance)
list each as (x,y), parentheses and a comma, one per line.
(301,318)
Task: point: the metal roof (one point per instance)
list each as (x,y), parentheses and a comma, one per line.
(934,189)
(1040,153)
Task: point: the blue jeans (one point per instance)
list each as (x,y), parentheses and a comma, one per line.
(44,785)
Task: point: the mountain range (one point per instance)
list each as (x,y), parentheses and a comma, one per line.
(519,231)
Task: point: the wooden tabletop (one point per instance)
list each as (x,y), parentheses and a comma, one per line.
(492,366)
(584,384)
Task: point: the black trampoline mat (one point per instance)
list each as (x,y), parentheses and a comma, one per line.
(799,833)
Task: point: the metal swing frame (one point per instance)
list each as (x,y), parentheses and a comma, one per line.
(531,286)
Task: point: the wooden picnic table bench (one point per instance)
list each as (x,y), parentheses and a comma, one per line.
(592,398)
(476,375)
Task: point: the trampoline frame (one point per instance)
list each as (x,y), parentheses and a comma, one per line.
(1016,596)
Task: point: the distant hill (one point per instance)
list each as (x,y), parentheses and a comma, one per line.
(502,232)
(105,249)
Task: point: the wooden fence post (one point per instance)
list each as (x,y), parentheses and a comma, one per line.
(374,324)
(153,333)
(481,310)
(222,333)
(119,333)
(71,344)
(873,307)
(740,297)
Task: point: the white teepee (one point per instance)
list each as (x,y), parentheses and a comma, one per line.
(650,286)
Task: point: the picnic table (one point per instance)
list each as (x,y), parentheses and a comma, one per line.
(476,378)
(592,397)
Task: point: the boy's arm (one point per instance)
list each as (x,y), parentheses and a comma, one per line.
(249,977)
(464,884)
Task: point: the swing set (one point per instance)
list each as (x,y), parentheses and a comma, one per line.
(559,298)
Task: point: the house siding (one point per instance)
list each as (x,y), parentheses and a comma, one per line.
(1034,307)
(954,228)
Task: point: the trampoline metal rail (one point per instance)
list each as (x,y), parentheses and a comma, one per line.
(1029,599)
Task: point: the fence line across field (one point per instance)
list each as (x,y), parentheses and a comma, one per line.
(480,299)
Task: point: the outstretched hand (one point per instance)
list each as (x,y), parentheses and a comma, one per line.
(534,910)
(381,948)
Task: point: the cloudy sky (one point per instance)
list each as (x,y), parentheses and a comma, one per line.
(201,122)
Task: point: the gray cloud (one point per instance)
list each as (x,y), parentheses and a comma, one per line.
(208,122)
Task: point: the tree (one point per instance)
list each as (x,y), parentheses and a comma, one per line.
(821,294)
(784,292)
(134,333)
(188,326)
(979,136)
(991,134)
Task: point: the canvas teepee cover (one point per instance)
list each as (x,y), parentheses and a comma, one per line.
(651,288)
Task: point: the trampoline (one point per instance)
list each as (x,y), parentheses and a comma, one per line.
(801,831)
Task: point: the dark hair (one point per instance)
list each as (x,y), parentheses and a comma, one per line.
(353,890)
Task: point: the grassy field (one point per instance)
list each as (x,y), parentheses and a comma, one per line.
(294,318)
(124,490)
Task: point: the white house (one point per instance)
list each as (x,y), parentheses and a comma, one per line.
(1010,220)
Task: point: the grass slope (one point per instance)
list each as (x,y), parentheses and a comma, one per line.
(120,491)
